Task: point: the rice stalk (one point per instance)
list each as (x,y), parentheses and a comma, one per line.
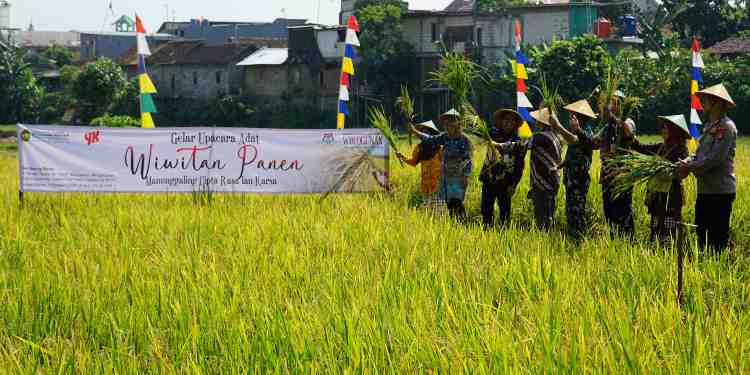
(380,121)
(632,170)
(607,90)
(457,73)
(406,105)
(550,97)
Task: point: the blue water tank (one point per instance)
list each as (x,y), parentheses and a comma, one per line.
(628,26)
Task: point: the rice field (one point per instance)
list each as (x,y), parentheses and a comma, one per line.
(362,283)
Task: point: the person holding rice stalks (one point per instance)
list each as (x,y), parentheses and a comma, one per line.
(664,196)
(577,165)
(456,165)
(614,139)
(501,173)
(546,156)
(429,156)
(713,167)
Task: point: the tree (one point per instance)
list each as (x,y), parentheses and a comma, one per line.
(60,55)
(575,66)
(497,5)
(711,20)
(97,88)
(20,95)
(387,59)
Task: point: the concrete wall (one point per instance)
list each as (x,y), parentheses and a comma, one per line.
(329,44)
(542,25)
(184,86)
(296,83)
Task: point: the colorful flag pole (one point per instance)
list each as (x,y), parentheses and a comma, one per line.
(347,70)
(696,81)
(522,101)
(147,87)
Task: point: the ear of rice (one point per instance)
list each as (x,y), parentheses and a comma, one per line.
(457,73)
(380,121)
(406,106)
(632,170)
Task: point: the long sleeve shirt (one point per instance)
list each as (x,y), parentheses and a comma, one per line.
(508,169)
(457,153)
(546,156)
(609,147)
(713,163)
(430,169)
(578,158)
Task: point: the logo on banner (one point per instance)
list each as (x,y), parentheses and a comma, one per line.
(26,135)
(92,137)
(328,139)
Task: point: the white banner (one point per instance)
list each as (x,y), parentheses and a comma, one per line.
(104,160)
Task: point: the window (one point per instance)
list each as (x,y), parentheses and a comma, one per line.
(479,36)
(434,32)
(218,78)
(173,84)
(341,36)
(322,79)
(195,78)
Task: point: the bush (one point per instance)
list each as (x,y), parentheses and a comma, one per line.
(98,86)
(115,121)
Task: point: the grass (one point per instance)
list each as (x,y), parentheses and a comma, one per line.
(156,283)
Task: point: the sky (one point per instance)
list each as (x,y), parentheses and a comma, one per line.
(93,15)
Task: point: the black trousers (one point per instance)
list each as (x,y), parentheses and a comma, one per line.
(545,205)
(491,194)
(712,216)
(456,208)
(619,212)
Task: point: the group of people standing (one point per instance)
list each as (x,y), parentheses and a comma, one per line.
(446,164)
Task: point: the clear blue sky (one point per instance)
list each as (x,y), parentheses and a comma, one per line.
(90,15)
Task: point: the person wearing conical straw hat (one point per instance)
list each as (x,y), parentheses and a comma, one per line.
(664,197)
(546,156)
(577,166)
(713,167)
(614,138)
(500,175)
(456,165)
(428,156)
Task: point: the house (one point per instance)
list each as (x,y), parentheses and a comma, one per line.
(39,41)
(488,36)
(193,68)
(124,24)
(219,32)
(733,47)
(113,45)
(307,72)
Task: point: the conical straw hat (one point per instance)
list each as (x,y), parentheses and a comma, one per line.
(676,120)
(499,114)
(718,91)
(451,113)
(428,126)
(618,94)
(542,116)
(581,107)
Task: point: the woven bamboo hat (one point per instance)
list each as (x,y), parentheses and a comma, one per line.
(581,107)
(718,91)
(427,126)
(677,121)
(502,113)
(452,113)
(542,116)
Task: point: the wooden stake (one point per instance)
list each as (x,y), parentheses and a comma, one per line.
(680,266)
(20,198)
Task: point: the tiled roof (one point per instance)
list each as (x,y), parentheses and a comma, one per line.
(193,52)
(732,46)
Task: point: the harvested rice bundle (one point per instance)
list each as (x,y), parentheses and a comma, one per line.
(632,170)
(380,121)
